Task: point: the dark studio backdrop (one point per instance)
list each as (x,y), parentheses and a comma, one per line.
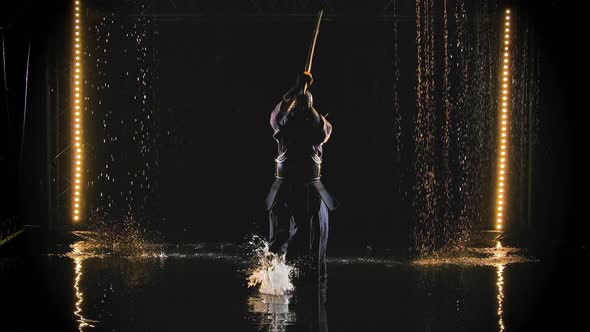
(208,83)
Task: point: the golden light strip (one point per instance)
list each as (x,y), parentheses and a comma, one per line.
(77,115)
(503,124)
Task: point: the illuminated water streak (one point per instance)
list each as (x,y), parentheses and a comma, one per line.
(77,128)
(122,184)
(446,171)
(397,129)
(503,124)
(425,203)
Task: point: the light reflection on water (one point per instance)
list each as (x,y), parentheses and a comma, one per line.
(272,311)
(267,312)
(500,284)
(77,255)
(304,309)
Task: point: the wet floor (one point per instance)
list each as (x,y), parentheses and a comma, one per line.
(76,285)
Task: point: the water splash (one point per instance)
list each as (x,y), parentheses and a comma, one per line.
(271,274)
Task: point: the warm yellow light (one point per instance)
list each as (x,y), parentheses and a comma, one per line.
(503,128)
(76,110)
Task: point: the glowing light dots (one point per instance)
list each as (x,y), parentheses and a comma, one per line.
(503,125)
(76,114)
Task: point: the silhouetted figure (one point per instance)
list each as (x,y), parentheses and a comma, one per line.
(298,203)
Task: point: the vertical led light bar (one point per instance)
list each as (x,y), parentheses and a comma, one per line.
(503,123)
(77,129)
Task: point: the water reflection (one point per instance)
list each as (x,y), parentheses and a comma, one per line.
(305,308)
(500,283)
(273,311)
(77,254)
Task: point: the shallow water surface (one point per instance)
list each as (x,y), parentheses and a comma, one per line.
(83,286)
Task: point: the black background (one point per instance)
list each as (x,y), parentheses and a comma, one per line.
(233,132)
(560,184)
